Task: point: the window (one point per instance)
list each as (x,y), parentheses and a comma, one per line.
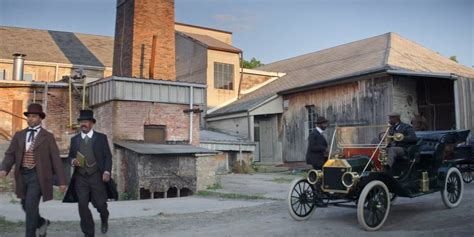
(155,134)
(312,116)
(223,76)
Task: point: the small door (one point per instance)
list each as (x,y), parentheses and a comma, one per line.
(266,141)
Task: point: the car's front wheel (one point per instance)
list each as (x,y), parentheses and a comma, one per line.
(453,188)
(301,199)
(373,205)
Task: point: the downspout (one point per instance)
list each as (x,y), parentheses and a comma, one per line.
(191,113)
(84,93)
(241,73)
(70,101)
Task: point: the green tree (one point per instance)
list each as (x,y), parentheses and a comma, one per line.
(454,58)
(253,63)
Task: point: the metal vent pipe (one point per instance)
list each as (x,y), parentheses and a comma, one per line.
(18,66)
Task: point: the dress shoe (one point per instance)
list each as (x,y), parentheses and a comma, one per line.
(42,230)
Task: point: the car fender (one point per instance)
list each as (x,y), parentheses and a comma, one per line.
(392,184)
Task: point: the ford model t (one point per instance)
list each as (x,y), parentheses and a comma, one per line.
(355,174)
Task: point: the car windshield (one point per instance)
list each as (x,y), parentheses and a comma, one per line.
(358,137)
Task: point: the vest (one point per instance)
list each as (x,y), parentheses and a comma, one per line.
(90,166)
(28,160)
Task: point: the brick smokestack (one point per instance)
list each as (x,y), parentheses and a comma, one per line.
(136,23)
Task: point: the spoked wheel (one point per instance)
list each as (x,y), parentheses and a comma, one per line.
(453,188)
(466,175)
(301,199)
(373,205)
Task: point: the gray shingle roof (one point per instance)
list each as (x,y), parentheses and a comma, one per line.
(210,42)
(74,48)
(387,51)
(57,46)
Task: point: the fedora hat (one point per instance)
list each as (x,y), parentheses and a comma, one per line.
(35,109)
(321,120)
(86,114)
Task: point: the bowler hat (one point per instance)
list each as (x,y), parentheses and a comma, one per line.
(35,109)
(393,114)
(86,114)
(321,119)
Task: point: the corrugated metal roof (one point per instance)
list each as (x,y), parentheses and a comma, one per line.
(210,42)
(383,52)
(208,136)
(162,149)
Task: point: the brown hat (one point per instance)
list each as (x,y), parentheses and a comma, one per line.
(35,109)
(321,120)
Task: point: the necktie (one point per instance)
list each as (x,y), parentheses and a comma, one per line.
(86,139)
(32,134)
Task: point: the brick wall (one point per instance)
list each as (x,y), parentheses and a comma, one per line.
(57,113)
(125,120)
(137,21)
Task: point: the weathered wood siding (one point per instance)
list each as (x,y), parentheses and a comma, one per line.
(365,102)
(466,103)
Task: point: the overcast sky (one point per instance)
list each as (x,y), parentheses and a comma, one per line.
(271,30)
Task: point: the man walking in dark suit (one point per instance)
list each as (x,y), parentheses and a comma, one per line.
(317,145)
(35,154)
(399,148)
(90,154)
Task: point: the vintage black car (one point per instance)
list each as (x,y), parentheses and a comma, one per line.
(354,173)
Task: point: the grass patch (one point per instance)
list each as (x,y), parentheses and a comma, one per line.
(282,180)
(214,186)
(57,195)
(230,195)
(243,168)
(6,225)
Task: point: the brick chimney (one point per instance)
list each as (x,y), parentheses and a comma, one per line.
(137,22)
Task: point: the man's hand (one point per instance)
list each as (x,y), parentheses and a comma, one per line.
(106,177)
(62,188)
(3,174)
(75,163)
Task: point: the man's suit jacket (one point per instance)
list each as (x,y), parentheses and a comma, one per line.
(48,162)
(317,146)
(103,157)
(407,131)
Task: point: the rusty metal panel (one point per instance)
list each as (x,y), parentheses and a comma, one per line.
(155,134)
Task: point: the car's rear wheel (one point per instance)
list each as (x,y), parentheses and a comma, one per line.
(301,199)
(373,205)
(453,188)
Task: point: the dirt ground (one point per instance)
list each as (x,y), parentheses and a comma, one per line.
(422,216)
